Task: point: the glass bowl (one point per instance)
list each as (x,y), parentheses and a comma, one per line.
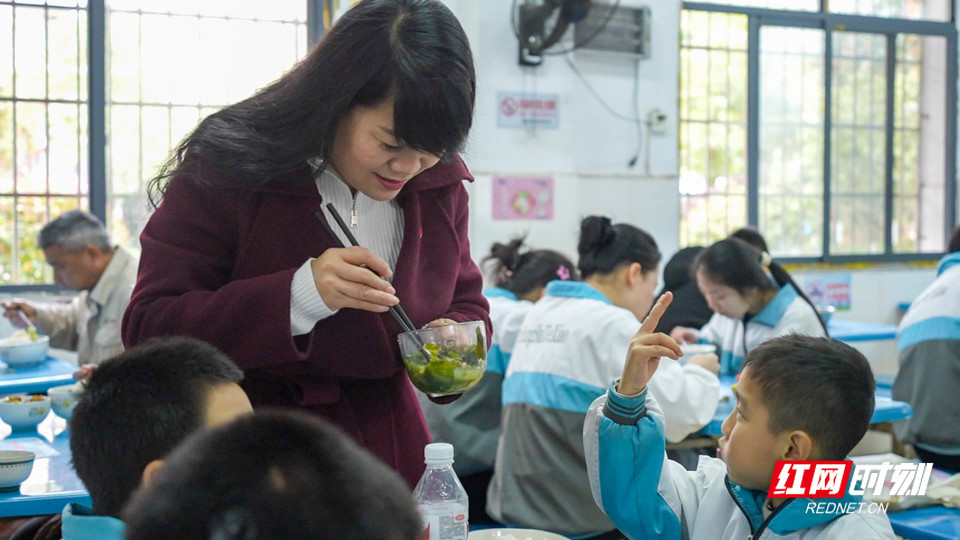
(445,360)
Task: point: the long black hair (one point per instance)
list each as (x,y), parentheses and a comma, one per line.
(738,265)
(521,273)
(604,247)
(414,51)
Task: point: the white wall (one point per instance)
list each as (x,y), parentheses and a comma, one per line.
(588,155)
(875,294)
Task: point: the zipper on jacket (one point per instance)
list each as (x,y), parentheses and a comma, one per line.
(763,526)
(353,212)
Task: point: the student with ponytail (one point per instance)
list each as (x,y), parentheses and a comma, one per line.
(749,308)
(472,423)
(570,346)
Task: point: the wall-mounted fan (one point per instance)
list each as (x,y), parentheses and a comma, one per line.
(543,22)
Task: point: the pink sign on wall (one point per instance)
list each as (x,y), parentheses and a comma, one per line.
(523,198)
(830,289)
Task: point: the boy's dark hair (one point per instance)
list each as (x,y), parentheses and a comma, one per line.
(752,236)
(819,385)
(273,475)
(605,247)
(954,245)
(521,273)
(138,406)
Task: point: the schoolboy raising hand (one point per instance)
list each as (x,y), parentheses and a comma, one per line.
(816,391)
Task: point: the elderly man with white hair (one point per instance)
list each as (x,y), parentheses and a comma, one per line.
(77,246)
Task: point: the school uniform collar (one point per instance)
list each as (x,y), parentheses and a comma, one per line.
(791,515)
(79,522)
(575,289)
(773,312)
(499,292)
(948,261)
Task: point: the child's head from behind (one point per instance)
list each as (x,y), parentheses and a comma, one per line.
(140,404)
(799,398)
(678,270)
(526,274)
(273,475)
(623,259)
(752,236)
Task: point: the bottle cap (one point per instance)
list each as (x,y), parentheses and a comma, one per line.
(438,453)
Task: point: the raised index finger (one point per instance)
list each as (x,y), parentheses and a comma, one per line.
(653,319)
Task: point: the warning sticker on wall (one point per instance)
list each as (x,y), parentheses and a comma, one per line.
(520,110)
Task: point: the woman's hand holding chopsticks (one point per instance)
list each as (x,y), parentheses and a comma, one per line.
(350,278)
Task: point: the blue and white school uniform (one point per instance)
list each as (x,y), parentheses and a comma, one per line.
(929,375)
(648,496)
(573,342)
(472,422)
(77,522)
(787,313)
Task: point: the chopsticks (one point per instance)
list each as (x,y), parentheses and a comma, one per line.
(398,313)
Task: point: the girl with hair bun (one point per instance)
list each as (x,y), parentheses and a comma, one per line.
(569,348)
(749,308)
(525,275)
(472,423)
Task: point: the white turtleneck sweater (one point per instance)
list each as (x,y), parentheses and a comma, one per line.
(377,226)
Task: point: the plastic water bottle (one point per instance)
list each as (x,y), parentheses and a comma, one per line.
(440,496)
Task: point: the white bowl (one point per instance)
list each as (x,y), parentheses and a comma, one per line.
(26,413)
(64,398)
(690,349)
(516,534)
(15,467)
(18,354)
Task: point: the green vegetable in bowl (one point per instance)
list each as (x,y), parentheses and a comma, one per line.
(450,370)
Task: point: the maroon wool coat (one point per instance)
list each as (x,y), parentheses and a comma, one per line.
(217,265)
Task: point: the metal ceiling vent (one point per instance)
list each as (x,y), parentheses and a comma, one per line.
(625,31)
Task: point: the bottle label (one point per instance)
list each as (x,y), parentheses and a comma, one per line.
(448,523)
